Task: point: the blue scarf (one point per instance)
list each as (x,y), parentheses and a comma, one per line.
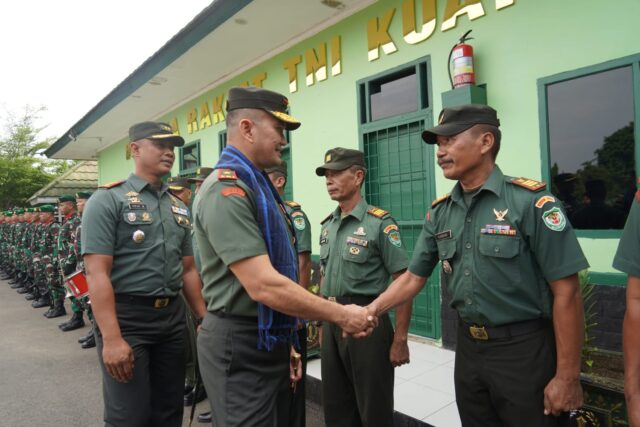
(273,326)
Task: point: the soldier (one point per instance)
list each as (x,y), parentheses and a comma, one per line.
(192,368)
(28,255)
(136,245)
(67,258)
(40,290)
(180,187)
(627,260)
(48,249)
(278,176)
(510,259)
(201,174)
(360,251)
(89,340)
(250,270)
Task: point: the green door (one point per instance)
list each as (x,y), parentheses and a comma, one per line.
(394,110)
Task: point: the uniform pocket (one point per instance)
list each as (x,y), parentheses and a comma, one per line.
(499,261)
(355,253)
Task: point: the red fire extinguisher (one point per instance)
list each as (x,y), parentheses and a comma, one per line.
(461,61)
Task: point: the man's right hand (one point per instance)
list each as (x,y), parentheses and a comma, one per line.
(357,320)
(117,357)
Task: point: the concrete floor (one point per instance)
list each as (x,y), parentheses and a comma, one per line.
(46,379)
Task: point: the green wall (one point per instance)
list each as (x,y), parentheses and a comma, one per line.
(514,47)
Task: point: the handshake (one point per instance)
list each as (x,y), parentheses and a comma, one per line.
(357,321)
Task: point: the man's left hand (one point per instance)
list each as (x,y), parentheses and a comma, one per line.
(562,395)
(399,353)
(295,366)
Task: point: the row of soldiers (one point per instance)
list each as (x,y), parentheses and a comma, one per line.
(38,253)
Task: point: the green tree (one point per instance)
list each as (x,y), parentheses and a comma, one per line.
(23,171)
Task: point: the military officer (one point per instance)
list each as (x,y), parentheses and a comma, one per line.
(510,259)
(137,254)
(192,357)
(627,260)
(89,340)
(180,187)
(360,251)
(66,256)
(250,270)
(278,176)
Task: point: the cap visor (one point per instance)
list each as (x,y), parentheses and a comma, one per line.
(177,140)
(337,166)
(290,122)
(430,136)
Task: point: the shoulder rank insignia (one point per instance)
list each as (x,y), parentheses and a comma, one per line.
(377,212)
(327,218)
(440,200)
(227,175)
(529,184)
(111,184)
(293,204)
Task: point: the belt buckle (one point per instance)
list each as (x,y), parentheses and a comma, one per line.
(478,332)
(332,299)
(160,302)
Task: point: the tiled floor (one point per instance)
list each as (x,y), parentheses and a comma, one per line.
(424,387)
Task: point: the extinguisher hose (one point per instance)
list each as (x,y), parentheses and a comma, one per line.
(462,39)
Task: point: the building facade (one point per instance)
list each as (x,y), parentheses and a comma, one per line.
(563,76)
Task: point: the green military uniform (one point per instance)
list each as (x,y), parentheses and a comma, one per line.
(86,341)
(359,252)
(147,232)
(301,225)
(67,261)
(48,247)
(500,246)
(627,257)
(226,219)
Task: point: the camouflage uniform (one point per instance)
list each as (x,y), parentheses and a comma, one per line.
(66,255)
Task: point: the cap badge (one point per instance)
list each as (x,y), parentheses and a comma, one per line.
(327,158)
(166,128)
(360,232)
(138,236)
(441,118)
(500,214)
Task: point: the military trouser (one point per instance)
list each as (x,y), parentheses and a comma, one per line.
(76,305)
(297,415)
(154,396)
(246,387)
(191,349)
(501,382)
(357,377)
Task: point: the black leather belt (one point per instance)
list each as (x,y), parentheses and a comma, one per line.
(485,333)
(149,301)
(354,299)
(221,314)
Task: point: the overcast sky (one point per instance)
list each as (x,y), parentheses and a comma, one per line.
(68,54)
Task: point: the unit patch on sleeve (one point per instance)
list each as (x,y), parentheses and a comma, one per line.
(554,219)
(543,200)
(299,223)
(233,191)
(389,228)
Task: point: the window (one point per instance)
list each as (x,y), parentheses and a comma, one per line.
(591,145)
(189,157)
